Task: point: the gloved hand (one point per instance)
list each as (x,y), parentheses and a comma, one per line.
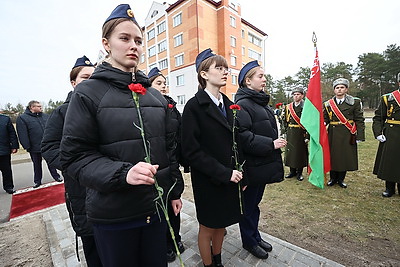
(306,141)
(381,138)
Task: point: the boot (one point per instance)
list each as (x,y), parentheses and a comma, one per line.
(341,176)
(217,260)
(300,174)
(211,265)
(390,189)
(292,173)
(333,179)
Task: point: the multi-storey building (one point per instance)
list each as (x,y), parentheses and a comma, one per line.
(175,34)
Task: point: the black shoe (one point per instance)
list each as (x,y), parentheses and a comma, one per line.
(10,191)
(265,245)
(387,193)
(217,260)
(36,185)
(171,255)
(257,251)
(341,184)
(58,179)
(290,175)
(331,182)
(300,177)
(181,247)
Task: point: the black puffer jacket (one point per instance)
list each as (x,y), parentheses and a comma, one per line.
(8,137)
(257,131)
(75,194)
(30,128)
(101,143)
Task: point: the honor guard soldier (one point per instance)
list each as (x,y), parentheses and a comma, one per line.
(344,116)
(386,128)
(296,156)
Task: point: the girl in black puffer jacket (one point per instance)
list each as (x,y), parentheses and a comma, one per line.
(103,149)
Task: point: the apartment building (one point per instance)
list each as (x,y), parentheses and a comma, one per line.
(175,34)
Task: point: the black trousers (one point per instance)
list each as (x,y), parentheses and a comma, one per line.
(248,225)
(176,226)
(337,176)
(6,172)
(89,248)
(133,247)
(36,158)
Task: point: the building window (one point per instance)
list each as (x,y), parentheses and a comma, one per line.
(233,96)
(243,33)
(179,60)
(162,46)
(233,60)
(150,34)
(161,27)
(255,40)
(178,40)
(142,58)
(233,22)
(152,51)
(254,55)
(177,20)
(233,41)
(181,100)
(180,80)
(163,64)
(234,80)
(243,50)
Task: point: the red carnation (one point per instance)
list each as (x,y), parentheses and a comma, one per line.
(237,107)
(170,106)
(278,105)
(137,88)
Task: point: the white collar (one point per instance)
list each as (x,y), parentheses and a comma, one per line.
(214,99)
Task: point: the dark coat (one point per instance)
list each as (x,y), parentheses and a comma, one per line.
(343,150)
(207,147)
(257,132)
(296,151)
(101,143)
(75,194)
(386,161)
(30,128)
(8,137)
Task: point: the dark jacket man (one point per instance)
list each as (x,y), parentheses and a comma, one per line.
(8,145)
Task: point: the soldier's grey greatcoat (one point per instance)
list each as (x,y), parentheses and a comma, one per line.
(343,151)
(296,152)
(387,122)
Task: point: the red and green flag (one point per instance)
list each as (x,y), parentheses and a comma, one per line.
(319,157)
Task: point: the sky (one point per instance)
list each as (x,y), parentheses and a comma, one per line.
(41,39)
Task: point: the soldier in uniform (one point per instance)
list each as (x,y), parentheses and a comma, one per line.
(386,128)
(296,156)
(344,116)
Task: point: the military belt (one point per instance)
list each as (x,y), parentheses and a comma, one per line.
(392,122)
(339,123)
(294,126)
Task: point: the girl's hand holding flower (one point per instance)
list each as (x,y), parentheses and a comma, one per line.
(141,173)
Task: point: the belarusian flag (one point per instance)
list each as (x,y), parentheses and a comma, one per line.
(319,157)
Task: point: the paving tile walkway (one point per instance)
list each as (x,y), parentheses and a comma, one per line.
(62,245)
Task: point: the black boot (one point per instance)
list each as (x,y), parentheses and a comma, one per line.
(333,180)
(211,265)
(300,174)
(390,189)
(217,260)
(292,173)
(341,176)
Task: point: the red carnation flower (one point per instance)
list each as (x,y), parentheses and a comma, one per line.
(237,107)
(137,88)
(170,106)
(278,105)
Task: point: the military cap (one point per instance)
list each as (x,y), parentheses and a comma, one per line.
(122,11)
(298,90)
(83,61)
(246,68)
(203,56)
(343,81)
(154,72)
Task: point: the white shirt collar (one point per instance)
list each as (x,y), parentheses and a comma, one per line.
(214,99)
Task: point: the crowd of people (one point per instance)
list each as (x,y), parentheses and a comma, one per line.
(120,141)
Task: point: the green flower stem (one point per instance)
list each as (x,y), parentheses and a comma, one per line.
(159,200)
(238,166)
